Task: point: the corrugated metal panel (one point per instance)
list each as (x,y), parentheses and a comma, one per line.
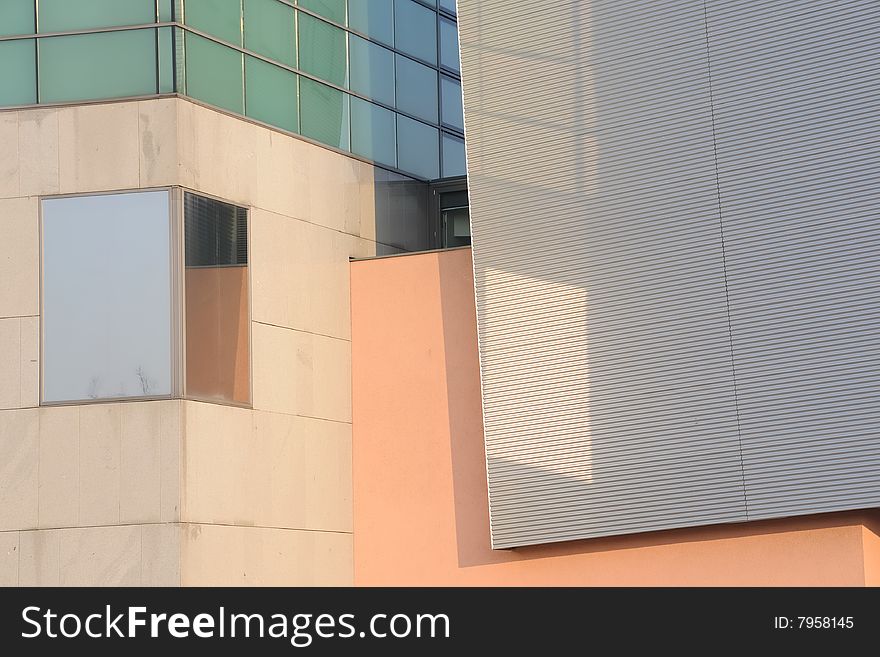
(608,391)
(796,100)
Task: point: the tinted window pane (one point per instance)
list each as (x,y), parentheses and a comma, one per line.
(104,65)
(453,156)
(372,70)
(16,17)
(213,73)
(450,96)
(418,148)
(449,45)
(322,49)
(269,30)
(217,310)
(373,18)
(106,297)
(324,113)
(165,10)
(456,227)
(18,73)
(61,15)
(416,89)
(372,132)
(271,94)
(219,18)
(448,5)
(332,9)
(415,30)
(166,60)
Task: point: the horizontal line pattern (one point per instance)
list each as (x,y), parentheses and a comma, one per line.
(796,104)
(604,342)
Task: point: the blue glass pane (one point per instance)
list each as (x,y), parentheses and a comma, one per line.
(453,156)
(416,89)
(450,103)
(449,45)
(375,18)
(418,148)
(373,132)
(372,69)
(415,30)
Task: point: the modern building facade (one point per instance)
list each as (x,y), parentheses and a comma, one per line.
(676,261)
(418,429)
(654,366)
(675,269)
(181,188)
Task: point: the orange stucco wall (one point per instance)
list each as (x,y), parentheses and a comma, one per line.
(420,500)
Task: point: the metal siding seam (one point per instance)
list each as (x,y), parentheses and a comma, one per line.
(797,159)
(603,337)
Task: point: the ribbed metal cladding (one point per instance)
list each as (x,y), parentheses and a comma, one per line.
(676,241)
(796,101)
(608,392)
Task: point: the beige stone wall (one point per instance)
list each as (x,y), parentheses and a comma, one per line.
(178,491)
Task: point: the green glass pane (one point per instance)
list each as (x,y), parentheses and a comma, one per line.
(418,148)
(324,113)
(180,58)
(415,30)
(271,94)
(18,72)
(269,30)
(373,132)
(372,69)
(64,15)
(375,18)
(449,45)
(16,17)
(332,9)
(166,60)
(219,18)
(166,12)
(416,89)
(213,73)
(450,102)
(95,66)
(322,50)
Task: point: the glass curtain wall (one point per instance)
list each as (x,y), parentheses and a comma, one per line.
(378,78)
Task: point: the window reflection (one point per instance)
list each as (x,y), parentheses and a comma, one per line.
(217,316)
(106,297)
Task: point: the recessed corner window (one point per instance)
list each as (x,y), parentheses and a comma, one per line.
(107,297)
(112,293)
(217,315)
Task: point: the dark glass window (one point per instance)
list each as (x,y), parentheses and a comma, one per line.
(217,306)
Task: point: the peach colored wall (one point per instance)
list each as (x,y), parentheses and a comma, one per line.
(217,323)
(420,499)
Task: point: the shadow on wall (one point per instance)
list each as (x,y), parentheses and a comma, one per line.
(599,271)
(468,469)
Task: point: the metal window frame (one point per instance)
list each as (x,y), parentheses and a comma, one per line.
(179,30)
(177,299)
